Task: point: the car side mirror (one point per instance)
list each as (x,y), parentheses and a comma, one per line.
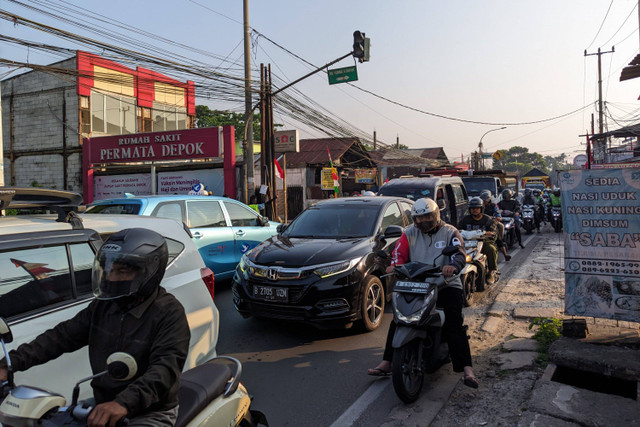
(262,221)
(441,204)
(281,227)
(393,231)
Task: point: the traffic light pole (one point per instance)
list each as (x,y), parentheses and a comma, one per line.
(311,73)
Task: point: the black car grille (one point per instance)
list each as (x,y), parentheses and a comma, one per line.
(278,311)
(296,292)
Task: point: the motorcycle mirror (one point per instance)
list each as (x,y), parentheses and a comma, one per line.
(393,231)
(382,254)
(121,366)
(5,331)
(450,250)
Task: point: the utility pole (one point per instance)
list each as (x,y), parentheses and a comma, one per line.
(247,179)
(600,108)
(375,141)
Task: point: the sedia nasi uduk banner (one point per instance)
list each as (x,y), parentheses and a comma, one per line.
(601,218)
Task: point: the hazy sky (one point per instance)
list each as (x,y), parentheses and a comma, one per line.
(501,62)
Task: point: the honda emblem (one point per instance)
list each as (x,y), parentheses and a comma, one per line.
(272,274)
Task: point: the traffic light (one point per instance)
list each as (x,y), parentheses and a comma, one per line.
(358,45)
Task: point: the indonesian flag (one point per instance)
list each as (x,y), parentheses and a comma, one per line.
(36,269)
(334,174)
(279,171)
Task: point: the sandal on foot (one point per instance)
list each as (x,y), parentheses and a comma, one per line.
(377,372)
(470,381)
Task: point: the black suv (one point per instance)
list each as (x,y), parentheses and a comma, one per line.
(323,267)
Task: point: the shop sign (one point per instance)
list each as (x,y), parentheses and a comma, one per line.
(287,141)
(366,176)
(157,146)
(327,178)
(114,186)
(180,182)
(601,218)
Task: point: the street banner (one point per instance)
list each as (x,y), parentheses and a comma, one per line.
(601,219)
(327,181)
(114,186)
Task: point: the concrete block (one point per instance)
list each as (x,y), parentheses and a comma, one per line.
(520,344)
(533,312)
(585,407)
(491,324)
(515,360)
(613,361)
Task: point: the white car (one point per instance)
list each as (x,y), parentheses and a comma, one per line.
(45,278)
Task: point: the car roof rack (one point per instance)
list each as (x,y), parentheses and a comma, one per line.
(65,203)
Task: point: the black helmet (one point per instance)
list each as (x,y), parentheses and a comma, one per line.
(536,192)
(485,195)
(475,202)
(506,194)
(527,192)
(556,192)
(131,262)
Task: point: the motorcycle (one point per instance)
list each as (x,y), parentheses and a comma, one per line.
(210,395)
(529,218)
(509,221)
(417,344)
(556,218)
(474,274)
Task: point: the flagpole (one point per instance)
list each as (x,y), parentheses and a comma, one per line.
(284,184)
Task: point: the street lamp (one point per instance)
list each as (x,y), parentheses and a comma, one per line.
(480,143)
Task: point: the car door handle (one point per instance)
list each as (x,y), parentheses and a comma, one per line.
(240,233)
(197,234)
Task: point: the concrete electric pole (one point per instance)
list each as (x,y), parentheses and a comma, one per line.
(248,180)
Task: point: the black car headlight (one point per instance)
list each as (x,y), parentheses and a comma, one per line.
(326,270)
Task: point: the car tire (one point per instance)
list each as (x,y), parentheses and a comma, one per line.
(372,304)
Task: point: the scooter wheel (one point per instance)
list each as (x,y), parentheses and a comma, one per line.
(468,287)
(407,371)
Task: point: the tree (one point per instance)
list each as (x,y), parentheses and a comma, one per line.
(205,117)
(519,159)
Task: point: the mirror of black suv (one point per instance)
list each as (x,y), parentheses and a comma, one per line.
(393,231)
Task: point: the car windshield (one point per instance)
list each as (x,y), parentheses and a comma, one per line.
(120,208)
(475,186)
(407,193)
(335,222)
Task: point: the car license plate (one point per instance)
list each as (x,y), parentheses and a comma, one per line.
(412,287)
(271,293)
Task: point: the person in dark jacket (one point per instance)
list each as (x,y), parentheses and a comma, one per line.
(132,313)
(508,203)
(493,211)
(423,241)
(479,221)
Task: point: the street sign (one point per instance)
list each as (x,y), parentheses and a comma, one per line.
(343,75)
(487,155)
(286,141)
(498,155)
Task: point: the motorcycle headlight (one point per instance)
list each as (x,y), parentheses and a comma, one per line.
(332,269)
(417,315)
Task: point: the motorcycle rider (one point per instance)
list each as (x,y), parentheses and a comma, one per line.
(528,199)
(554,202)
(537,195)
(493,211)
(423,241)
(477,220)
(131,313)
(509,204)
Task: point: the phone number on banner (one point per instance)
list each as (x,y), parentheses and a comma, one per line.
(604,267)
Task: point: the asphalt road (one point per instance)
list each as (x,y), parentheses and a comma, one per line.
(301,376)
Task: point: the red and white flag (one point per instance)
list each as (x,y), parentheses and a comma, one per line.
(279,172)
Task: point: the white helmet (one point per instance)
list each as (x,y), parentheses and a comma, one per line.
(426,214)
(368,193)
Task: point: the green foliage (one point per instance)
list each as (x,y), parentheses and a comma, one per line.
(206,117)
(548,331)
(519,159)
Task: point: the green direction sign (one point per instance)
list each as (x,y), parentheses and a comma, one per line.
(343,75)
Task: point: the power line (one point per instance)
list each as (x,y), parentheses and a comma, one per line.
(603,20)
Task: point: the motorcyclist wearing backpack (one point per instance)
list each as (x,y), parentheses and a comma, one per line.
(131,313)
(493,211)
(529,199)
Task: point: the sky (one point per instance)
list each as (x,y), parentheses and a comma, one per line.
(450,70)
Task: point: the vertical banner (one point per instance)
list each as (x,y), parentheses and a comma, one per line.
(601,211)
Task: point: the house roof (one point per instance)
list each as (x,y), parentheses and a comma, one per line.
(535,172)
(627,131)
(314,151)
(430,157)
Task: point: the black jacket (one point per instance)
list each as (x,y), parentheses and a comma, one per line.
(155,333)
(510,205)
